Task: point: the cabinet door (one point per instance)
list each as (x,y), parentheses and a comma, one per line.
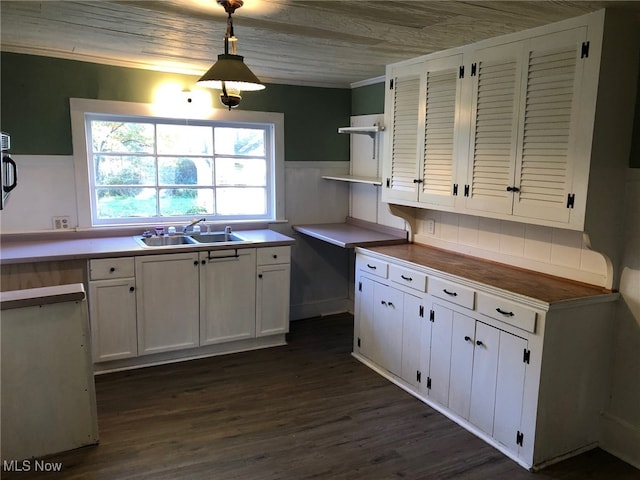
(413,316)
(167,302)
(272,299)
(227,295)
(462,347)
(549,126)
(113,319)
(387,325)
(364,313)
(496,74)
(509,389)
(440,355)
(484,377)
(403,103)
(442,142)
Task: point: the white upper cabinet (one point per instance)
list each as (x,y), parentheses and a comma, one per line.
(424,99)
(517,127)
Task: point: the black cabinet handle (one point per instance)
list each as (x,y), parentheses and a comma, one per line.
(513,189)
(467,338)
(195,262)
(112,269)
(259,275)
(372,267)
(390,304)
(275,256)
(408,279)
(453,294)
(509,314)
(383,302)
(204,262)
(131,289)
(479,343)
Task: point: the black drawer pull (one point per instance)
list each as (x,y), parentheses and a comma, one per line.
(372,267)
(408,279)
(383,302)
(453,294)
(467,338)
(513,189)
(390,304)
(131,289)
(509,314)
(479,343)
(112,269)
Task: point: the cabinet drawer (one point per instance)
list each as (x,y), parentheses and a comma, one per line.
(273,255)
(105,268)
(373,266)
(410,278)
(508,312)
(452,292)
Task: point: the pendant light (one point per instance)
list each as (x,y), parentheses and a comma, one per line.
(229,73)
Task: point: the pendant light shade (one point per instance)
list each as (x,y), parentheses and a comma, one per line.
(229,73)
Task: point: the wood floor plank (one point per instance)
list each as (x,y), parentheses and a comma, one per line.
(307,410)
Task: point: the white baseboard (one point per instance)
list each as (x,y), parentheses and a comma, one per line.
(320,309)
(621,439)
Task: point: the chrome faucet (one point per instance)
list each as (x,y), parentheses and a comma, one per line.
(195,222)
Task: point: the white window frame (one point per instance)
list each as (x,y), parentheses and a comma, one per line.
(80,108)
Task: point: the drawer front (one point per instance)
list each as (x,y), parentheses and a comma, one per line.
(106,268)
(508,312)
(409,278)
(274,255)
(452,292)
(373,266)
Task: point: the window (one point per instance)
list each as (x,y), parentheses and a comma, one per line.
(145,169)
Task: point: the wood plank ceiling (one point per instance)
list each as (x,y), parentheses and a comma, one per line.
(298,42)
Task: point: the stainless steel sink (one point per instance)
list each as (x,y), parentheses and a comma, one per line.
(217,237)
(165,241)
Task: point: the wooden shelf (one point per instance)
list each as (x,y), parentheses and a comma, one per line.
(372,130)
(354,179)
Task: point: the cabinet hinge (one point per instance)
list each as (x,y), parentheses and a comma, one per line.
(584,52)
(519,438)
(359,286)
(473,69)
(571,198)
(432,315)
(421,313)
(526,357)
(455,189)
(466,190)
(429,383)
(391,84)
(418,376)
(358,342)
(388,182)
(461,72)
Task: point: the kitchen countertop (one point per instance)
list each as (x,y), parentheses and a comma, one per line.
(353,233)
(527,283)
(47,249)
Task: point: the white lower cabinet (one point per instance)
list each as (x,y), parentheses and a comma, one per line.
(227,295)
(112,309)
(168,302)
(175,302)
(477,355)
(272,291)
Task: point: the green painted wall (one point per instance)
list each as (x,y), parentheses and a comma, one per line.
(35,92)
(368,100)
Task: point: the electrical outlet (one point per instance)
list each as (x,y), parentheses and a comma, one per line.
(431,227)
(60,223)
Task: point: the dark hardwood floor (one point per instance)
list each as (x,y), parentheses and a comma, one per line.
(307,410)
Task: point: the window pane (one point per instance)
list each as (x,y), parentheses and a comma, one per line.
(124,170)
(186,201)
(241,201)
(234,171)
(240,141)
(185,171)
(122,137)
(184,139)
(125,202)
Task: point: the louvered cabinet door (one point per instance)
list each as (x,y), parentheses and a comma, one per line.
(441,149)
(548,126)
(402,104)
(496,74)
